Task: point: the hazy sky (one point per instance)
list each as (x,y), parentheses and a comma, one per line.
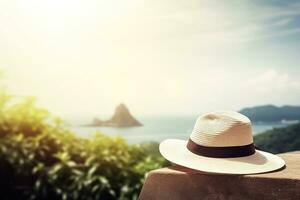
(157,56)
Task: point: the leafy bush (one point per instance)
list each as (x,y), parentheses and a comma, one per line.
(40,158)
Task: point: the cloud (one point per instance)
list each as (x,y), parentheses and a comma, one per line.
(273,79)
(206,21)
(282,22)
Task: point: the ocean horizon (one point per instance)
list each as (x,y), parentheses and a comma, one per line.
(154,129)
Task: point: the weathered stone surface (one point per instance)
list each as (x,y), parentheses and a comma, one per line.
(177,183)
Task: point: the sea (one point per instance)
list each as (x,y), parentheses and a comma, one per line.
(154,129)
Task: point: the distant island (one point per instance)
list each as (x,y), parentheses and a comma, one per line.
(271,113)
(121,118)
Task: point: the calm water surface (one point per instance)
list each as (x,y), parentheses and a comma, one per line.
(155,129)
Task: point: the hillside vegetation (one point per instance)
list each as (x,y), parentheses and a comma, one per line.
(279,140)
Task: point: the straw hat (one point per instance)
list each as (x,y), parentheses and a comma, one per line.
(221,142)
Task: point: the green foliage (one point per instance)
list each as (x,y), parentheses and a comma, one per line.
(42,159)
(279,140)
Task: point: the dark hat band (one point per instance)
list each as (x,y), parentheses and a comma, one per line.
(221,152)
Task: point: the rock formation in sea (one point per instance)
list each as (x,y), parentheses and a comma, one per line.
(121,118)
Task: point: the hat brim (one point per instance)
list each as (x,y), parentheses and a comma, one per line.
(175,151)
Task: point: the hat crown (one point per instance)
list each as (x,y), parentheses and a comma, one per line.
(222,129)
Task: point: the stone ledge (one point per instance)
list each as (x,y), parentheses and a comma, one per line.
(178,183)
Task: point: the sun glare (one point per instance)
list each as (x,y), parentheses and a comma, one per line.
(64,8)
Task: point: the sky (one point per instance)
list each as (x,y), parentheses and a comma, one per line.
(159,57)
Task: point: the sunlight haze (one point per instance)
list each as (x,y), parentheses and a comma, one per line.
(158,57)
